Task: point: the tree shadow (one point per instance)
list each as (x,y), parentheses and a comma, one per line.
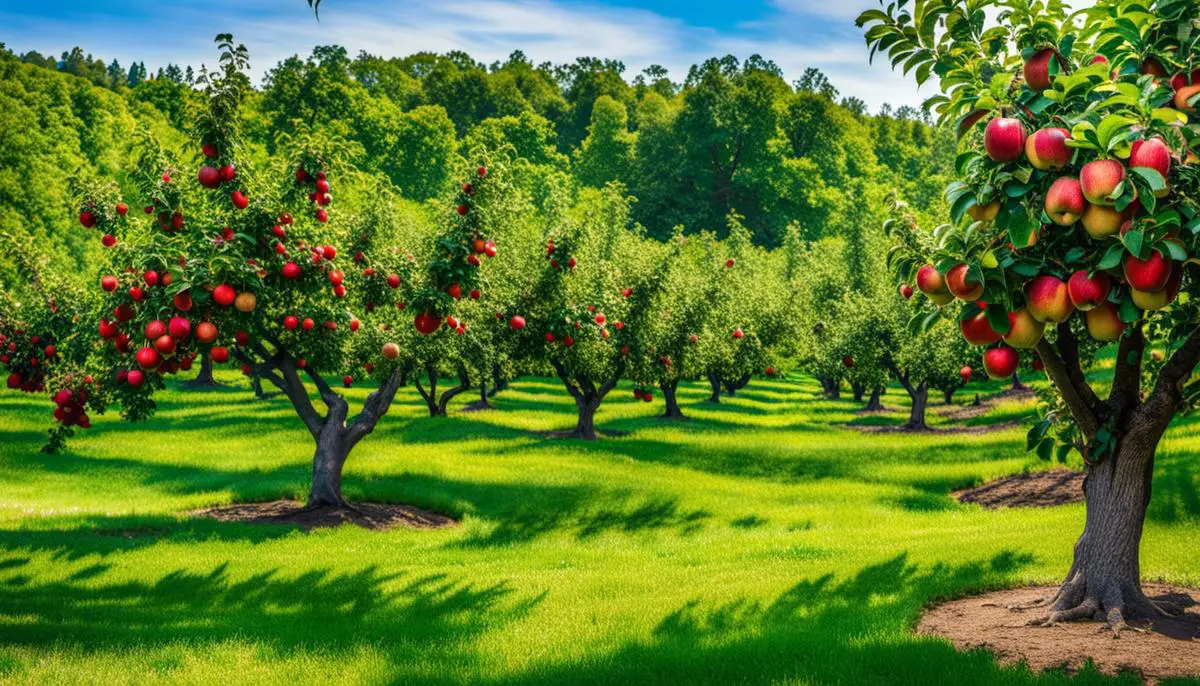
(411,616)
(822,630)
(1176,498)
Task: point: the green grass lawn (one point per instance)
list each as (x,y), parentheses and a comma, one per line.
(759,542)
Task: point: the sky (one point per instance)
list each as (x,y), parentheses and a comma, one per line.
(796,34)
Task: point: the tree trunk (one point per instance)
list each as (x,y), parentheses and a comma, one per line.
(875,404)
(858,390)
(732,387)
(464,384)
(430,396)
(328,462)
(499,383)
(672,411)
(831,388)
(1105,577)
(916,417)
(948,395)
(715,382)
(482,403)
(1017,385)
(585,426)
(205,376)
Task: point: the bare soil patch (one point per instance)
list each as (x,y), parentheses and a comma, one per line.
(374,516)
(984,404)
(1035,489)
(1163,649)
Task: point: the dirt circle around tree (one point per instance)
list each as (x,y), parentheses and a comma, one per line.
(1164,649)
(372,516)
(1032,489)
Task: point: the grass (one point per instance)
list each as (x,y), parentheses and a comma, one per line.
(759,542)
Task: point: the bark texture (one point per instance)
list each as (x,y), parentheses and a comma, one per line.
(587,396)
(714,383)
(204,377)
(875,404)
(672,410)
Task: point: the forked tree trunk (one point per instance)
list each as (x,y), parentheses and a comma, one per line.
(916,416)
(858,390)
(585,425)
(732,387)
(672,410)
(437,404)
(205,376)
(588,397)
(875,404)
(714,382)
(328,462)
(831,387)
(499,383)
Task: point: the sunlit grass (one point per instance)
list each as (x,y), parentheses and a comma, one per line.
(759,541)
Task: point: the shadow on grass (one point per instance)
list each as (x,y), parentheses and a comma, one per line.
(820,631)
(410,616)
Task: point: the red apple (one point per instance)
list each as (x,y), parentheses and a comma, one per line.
(1047,299)
(1099,178)
(1047,149)
(1038,69)
(224,295)
(239,200)
(393,280)
(1023,330)
(1150,274)
(134,377)
(391,351)
(154,329)
(1087,292)
(148,358)
(1065,203)
(291,270)
(206,332)
(427,322)
(108,283)
(1004,139)
(517,322)
(1000,362)
(179,328)
(1154,154)
(219,355)
(977,330)
(931,283)
(165,345)
(209,177)
(959,283)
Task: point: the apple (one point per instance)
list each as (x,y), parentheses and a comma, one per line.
(87,218)
(1023,330)
(931,283)
(228,173)
(977,330)
(209,177)
(148,358)
(1099,178)
(1000,362)
(391,351)
(291,270)
(134,377)
(209,150)
(122,209)
(245,302)
(984,213)
(1086,291)
(290,322)
(1156,300)
(239,200)
(455,291)
(517,322)
(179,328)
(427,322)
(1004,139)
(154,329)
(737,333)
(848,362)
(906,291)
(965,374)
(1101,221)
(223,295)
(1064,201)
(107,329)
(108,283)
(1154,154)
(1047,299)
(219,355)
(1037,69)
(307,324)
(393,280)
(1184,95)
(108,240)
(957,280)
(1150,274)
(206,332)
(1103,322)
(1047,149)
(165,345)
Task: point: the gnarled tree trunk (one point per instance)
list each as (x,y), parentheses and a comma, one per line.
(858,390)
(205,376)
(437,404)
(875,404)
(587,397)
(672,410)
(916,416)
(714,382)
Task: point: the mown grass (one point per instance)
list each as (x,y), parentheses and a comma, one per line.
(760,541)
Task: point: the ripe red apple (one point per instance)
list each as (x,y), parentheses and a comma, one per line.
(107,329)
(123,313)
(517,322)
(906,291)
(1150,274)
(391,351)
(209,150)
(179,328)
(154,329)
(1047,149)
(134,377)
(393,280)
(1087,292)
(108,240)
(959,283)
(321,215)
(148,358)
(427,322)
(150,277)
(122,209)
(1099,178)
(206,332)
(931,283)
(307,324)
(228,173)
(1104,323)
(549,337)
(291,270)
(729,263)
(1156,300)
(977,330)
(1004,139)
(965,374)
(239,200)
(108,283)
(1037,70)
(165,345)
(455,291)
(290,322)
(1154,154)
(182,301)
(87,218)
(1047,299)
(737,333)
(1065,203)
(461,209)
(1102,221)
(224,294)
(220,355)
(1000,362)
(1023,330)
(209,177)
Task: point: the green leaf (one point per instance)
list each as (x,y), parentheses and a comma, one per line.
(1154,180)
(1036,433)
(1134,241)
(1112,257)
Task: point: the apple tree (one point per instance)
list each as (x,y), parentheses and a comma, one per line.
(1076,215)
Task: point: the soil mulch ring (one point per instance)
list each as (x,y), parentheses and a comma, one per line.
(1035,489)
(900,428)
(374,516)
(1164,649)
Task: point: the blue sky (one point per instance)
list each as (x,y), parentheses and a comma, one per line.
(675,33)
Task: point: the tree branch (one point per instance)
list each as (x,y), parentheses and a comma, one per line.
(1057,369)
(611,383)
(374,409)
(1127,377)
(566,379)
(1068,349)
(1160,407)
